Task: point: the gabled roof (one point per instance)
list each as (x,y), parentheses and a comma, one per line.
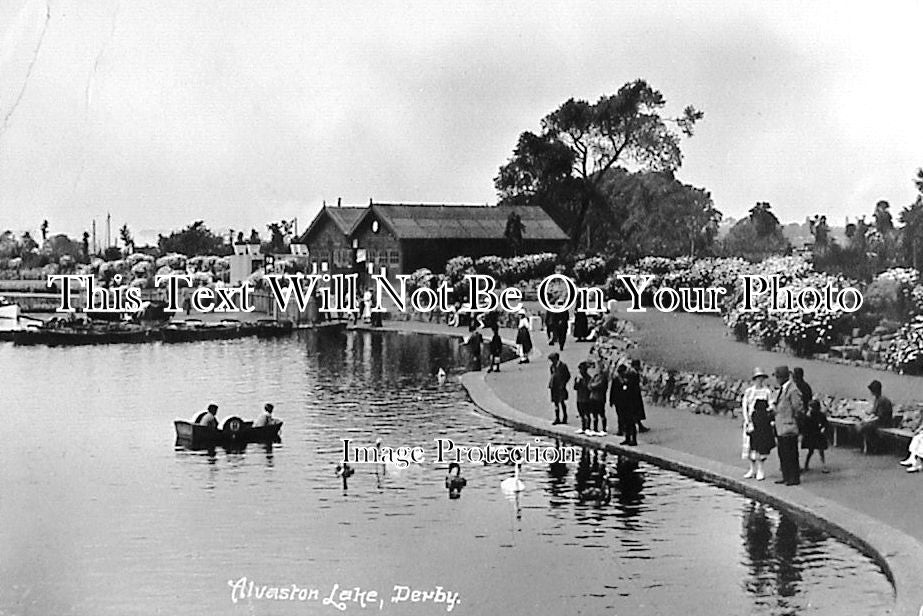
(344,217)
(423,221)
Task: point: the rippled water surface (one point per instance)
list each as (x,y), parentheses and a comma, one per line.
(101,514)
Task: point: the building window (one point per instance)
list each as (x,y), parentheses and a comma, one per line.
(394,258)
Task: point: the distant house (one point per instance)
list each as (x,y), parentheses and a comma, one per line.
(402,238)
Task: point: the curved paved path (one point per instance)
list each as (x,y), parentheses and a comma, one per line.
(870,497)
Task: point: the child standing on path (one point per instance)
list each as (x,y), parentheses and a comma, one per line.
(560,376)
(814,435)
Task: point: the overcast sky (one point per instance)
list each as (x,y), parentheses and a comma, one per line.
(240,113)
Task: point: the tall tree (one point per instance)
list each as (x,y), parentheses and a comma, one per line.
(912,233)
(757,236)
(513,232)
(127,240)
(196,239)
(883,222)
(653,213)
(279,233)
(27,244)
(624,128)
(85,244)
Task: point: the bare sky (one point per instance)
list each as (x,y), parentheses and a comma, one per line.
(241,113)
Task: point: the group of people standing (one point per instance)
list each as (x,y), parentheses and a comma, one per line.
(776,418)
(625,396)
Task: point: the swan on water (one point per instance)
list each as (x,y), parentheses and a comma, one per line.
(455,483)
(513,484)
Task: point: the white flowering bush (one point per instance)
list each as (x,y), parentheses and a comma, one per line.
(529,267)
(906,351)
(591,270)
(139,257)
(491,266)
(174,261)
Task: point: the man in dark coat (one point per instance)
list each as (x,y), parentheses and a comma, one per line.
(561,323)
(557,383)
(635,380)
(807,394)
(621,398)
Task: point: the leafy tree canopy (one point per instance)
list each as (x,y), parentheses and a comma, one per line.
(581,142)
(196,239)
(757,236)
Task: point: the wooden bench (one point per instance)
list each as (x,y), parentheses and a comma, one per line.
(896,437)
(838,424)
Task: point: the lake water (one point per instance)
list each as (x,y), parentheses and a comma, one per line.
(101,514)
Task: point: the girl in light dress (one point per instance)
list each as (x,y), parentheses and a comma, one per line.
(758,438)
(524,338)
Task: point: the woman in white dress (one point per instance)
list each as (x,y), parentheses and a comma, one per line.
(759,390)
(914,461)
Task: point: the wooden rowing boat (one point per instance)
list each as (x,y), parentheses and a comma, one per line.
(234,432)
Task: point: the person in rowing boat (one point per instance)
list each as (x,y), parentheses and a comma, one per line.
(208,418)
(265,418)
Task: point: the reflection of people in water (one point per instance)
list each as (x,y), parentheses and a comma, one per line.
(757,531)
(592,478)
(788,573)
(774,570)
(630,487)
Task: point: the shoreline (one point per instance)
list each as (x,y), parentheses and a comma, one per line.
(899,554)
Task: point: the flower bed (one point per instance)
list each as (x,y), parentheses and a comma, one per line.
(716,394)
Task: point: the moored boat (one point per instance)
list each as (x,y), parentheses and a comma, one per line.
(271,328)
(194,329)
(81,333)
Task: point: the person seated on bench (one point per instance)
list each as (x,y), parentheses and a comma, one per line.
(914,461)
(880,416)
